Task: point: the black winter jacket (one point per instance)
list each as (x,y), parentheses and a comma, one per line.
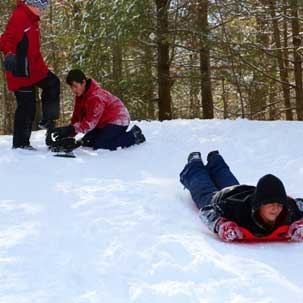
(236,204)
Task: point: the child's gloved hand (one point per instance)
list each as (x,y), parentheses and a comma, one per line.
(228,230)
(295,231)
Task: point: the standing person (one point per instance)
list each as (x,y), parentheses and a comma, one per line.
(226,206)
(98,114)
(26,70)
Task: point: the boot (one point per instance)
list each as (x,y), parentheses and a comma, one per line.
(137,132)
(46,124)
(194,156)
(211,154)
(26,147)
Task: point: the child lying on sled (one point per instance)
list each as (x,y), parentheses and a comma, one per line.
(237,212)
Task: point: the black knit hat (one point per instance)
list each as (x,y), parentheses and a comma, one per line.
(270,189)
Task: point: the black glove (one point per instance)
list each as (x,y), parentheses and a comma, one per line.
(65,144)
(10,63)
(63,132)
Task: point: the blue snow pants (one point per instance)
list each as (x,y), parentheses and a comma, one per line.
(203,181)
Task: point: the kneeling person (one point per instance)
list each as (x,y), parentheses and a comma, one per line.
(101,116)
(229,208)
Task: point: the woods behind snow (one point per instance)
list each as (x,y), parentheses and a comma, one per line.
(177,59)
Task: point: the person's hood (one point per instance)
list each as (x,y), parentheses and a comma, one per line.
(29,13)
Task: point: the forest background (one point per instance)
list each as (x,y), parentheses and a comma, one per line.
(169,59)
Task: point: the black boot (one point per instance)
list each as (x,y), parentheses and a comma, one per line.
(25,147)
(211,154)
(137,132)
(46,124)
(194,156)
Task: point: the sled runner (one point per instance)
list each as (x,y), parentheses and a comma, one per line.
(65,154)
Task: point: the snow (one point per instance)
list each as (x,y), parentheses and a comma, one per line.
(118,227)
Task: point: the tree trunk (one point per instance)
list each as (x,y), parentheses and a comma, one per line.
(206,90)
(8,105)
(231,53)
(272,98)
(279,55)
(10,112)
(149,85)
(259,87)
(194,89)
(224,99)
(117,69)
(289,112)
(297,58)
(164,81)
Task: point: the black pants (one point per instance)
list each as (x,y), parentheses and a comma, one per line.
(26,107)
(109,137)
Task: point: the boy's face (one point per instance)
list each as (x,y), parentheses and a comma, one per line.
(78,88)
(36,10)
(270,212)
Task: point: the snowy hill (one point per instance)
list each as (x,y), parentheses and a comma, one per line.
(111,227)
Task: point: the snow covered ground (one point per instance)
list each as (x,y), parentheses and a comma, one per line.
(111,227)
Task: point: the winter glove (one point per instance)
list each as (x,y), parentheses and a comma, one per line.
(295,231)
(69,143)
(65,144)
(63,132)
(10,63)
(228,230)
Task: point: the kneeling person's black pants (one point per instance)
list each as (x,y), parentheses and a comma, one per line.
(26,107)
(109,137)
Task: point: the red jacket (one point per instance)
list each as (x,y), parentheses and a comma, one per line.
(97,108)
(22,37)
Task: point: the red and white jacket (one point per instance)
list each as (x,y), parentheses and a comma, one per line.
(22,38)
(97,108)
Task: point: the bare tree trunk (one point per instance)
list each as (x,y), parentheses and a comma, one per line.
(237,78)
(164,81)
(259,87)
(272,98)
(148,75)
(297,58)
(117,68)
(194,89)
(8,105)
(289,112)
(281,62)
(10,112)
(206,90)
(224,99)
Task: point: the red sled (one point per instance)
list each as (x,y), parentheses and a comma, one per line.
(280,234)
